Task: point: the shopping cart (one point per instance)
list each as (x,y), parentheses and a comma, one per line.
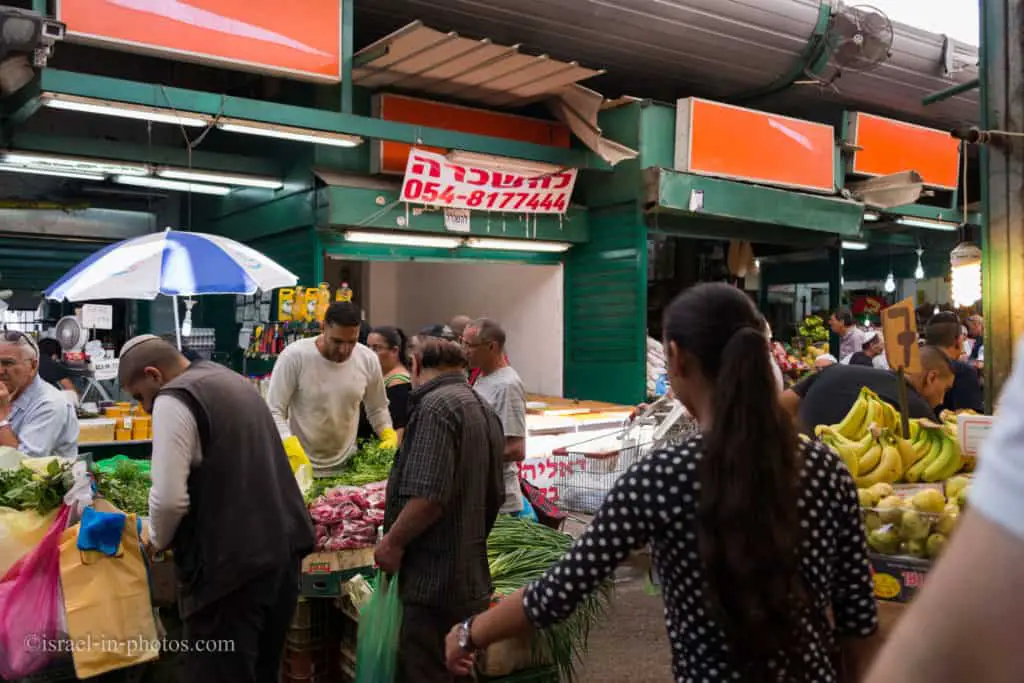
(587,470)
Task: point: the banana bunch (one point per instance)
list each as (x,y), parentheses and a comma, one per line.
(938,451)
(867,411)
(949,426)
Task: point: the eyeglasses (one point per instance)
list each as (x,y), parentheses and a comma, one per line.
(18,337)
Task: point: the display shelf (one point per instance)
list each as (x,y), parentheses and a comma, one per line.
(85,445)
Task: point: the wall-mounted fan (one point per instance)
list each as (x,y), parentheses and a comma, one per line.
(859,38)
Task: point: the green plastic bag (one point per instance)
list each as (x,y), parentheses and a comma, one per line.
(380,625)
(109,465)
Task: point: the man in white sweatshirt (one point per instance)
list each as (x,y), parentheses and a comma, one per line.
(317,386)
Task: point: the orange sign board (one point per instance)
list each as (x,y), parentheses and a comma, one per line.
(253,35)
(391,157)
(899,327)
(726,141)
(889,146)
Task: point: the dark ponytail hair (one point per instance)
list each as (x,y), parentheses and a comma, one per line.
(747,516)
(395,339)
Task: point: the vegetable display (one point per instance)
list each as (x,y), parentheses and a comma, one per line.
(519,552)
(371,463)
(347,517)
(23,488)
(126,487)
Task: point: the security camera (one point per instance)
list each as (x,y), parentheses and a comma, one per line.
(28,33)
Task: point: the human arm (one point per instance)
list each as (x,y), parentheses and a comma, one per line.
(426,483)
(175,451)
(40,430)
(375,396)
(284,382)
(398,406)
(626,521)
(975,594)
(790,398)
(510,406)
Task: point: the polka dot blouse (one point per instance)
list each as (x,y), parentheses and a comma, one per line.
(655,501)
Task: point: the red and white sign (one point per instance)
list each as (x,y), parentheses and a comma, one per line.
(433,180)
(973,430)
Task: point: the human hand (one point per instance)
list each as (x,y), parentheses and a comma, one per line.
(5,401)
(459,662)
(636,411)
(388,555)
(389,438)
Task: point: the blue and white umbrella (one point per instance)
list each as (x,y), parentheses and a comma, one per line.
(172,263)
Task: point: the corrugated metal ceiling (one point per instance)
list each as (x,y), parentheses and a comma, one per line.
(666,49)
(420,58)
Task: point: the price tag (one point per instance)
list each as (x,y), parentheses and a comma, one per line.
(899,325)
(104,370)
(973,430)
(456,220)
(97,317)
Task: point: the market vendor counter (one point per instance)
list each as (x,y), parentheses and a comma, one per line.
(141,449)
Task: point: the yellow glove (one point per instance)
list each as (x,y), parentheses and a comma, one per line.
(296,454)
(389,438)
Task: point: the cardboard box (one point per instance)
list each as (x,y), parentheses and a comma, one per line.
(323,573)
(897,579)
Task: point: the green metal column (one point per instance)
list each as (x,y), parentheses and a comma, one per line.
(347,47)
(40,7)
(1002,80)
(835,292)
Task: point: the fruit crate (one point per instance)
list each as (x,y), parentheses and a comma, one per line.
(897,579)
(910,522)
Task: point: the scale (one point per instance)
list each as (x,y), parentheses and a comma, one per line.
(85,358)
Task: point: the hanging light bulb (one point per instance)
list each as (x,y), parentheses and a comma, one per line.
(919,271)
(890,283)
(936,311)
(965,260)
(186,324)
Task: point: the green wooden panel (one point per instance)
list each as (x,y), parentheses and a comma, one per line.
(606,309)
(360,208)
(35,264)
(623,184)
(673,191)
(297,250)
(658,136)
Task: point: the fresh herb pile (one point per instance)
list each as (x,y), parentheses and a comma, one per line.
(519,552)
(24,489)
(371,463)
(126,488)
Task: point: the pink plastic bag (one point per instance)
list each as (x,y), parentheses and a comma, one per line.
(31,607)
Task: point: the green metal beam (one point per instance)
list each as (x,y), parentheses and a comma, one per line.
(363,208)
(770,207)
(211,104)
(347,48)
(951,91)
(278,215)
(40,7)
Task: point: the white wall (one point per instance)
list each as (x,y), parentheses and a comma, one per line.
(526,300)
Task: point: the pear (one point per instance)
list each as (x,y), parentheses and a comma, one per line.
(866,498)
(890,510)
(955,485)
(915,548)
(872,521)
(961,498)
(947,522)
(914,526)
(881,490)
(929,500)
(885,541)
(935,545)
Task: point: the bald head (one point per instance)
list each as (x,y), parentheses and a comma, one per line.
(459,323)
(936,375)
(148,351)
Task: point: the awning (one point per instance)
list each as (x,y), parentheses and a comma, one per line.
(422,59)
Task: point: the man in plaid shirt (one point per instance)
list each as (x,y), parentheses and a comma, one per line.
(443,496)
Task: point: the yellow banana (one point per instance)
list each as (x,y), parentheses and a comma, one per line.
(849,458)
(859,446)
(873,415)
(907,453)
(915,429)
(888,470)
(852,425)
(869,461)
(946,464)
(916,471)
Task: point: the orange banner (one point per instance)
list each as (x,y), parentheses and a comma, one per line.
(890,146)
(254,35)
(726,141)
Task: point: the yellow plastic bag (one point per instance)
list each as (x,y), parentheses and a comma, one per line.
(20,532)
(107,603)
(296,454)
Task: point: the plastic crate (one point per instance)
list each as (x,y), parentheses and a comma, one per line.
(304,663)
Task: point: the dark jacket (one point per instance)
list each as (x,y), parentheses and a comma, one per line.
(966,392)
(246,514)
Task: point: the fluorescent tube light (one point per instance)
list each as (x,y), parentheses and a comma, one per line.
(927,224)
(267,130)
(162,184)
(854,246)
(87,105)
(222,178)
(508,164)
(517,245)
(52,162)
(393,239)
(55,172)
(871,216)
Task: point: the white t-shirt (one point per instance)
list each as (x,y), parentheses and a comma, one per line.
(317,400)
(504,392)
(998,490)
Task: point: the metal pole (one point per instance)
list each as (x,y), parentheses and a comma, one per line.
(835,293)
(177,323)
(1002,80)
(347,33)
(951,91)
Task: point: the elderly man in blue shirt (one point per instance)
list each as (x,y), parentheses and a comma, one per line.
(35,417)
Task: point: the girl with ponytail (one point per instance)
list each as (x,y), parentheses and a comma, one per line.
(756,534)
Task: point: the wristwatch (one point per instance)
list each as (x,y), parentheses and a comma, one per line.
(465,639)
